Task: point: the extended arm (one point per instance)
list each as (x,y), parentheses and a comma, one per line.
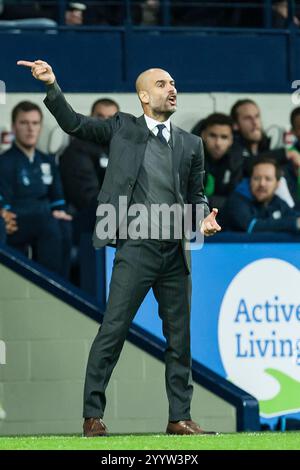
(83,127)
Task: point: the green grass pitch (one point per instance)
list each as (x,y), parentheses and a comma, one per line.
(237,441)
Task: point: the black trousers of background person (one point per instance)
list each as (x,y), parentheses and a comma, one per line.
(50,239)
(138,266)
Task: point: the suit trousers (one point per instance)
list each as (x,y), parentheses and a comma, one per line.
(140,265)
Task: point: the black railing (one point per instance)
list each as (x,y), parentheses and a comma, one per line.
(166,13)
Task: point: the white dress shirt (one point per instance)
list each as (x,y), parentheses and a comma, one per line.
(152,126)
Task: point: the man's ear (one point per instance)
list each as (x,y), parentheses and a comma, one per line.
(235,126)
(144,97)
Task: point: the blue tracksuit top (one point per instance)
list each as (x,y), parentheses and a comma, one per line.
(29,187)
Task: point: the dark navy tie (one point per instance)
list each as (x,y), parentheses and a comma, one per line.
(160,135)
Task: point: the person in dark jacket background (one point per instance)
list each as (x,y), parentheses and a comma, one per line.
(251,142)
(31,193)
(254,207)
(82,168)
(222,168)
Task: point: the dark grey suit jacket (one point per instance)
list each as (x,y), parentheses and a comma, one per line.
(127,137)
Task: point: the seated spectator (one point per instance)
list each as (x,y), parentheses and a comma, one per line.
(222,169)
(250,142)
(82,168)
(280,14)
(74,13)
(150,12)
(31,194)
(294,153)
(295,128)
(249,137)
(255,207)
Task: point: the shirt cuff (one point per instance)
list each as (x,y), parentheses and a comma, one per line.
(58,205)
(53,91)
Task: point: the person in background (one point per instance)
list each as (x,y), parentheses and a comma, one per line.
(249,137)
(257,208)
(82,168)
(74,14)
(222,168)
(250,141)
(31,196)
(294,151)
(295,127)
(280,13)
(150,12)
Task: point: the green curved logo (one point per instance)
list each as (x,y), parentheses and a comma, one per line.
(287,399)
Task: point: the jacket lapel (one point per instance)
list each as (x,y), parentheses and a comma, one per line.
(142,130)
(177,144)
(141,138)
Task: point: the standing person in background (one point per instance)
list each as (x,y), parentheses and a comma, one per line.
(82,167)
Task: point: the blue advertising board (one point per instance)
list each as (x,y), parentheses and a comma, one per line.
(245,320)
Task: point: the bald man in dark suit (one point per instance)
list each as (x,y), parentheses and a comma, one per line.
(151,163)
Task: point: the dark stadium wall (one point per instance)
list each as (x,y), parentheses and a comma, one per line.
(109,60)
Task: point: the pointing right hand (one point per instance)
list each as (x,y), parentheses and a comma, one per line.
(40,70)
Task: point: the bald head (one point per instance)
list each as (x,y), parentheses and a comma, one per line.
(145,78)
(157,93)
